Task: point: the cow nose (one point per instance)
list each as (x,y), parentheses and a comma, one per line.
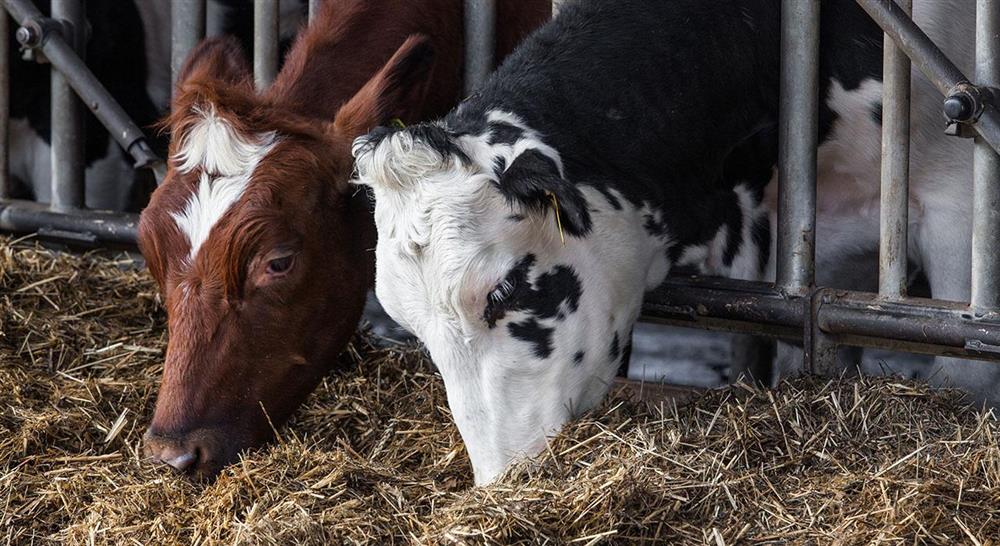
(180,460)
(171,451)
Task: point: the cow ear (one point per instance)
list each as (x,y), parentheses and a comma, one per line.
(216,61)
(534,181)
(397,91)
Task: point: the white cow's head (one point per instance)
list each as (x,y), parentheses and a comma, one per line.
(527,317)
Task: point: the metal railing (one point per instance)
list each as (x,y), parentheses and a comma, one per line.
(793,307)
(60,39)
(824,318)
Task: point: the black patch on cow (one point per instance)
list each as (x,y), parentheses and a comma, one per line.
(534,333)
(612,200)
(615,350)
(532,179)
(517,280)
(876,113)
(553,293)
(432,135)
(504,133)
(578,358)
(760,232)
(654,227)
(675,252)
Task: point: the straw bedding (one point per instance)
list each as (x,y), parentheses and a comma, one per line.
(373,457)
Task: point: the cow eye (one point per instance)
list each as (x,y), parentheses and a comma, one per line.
(280,265)
(502,291)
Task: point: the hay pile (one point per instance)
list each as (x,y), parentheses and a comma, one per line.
(373,457)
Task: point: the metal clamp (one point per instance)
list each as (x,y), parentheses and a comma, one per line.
(964,105)
(36,31)
(819,350)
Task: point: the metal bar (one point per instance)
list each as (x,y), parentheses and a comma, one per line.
(187,29)
(986,169)
(691,300)
(797,135)
(854,318)
(915,43)
(265,42)
(67,135)
(894,205)
(313,8)
(5,55)
(88,226)
(929,59)
(216,17)
(480,40)
(87,87)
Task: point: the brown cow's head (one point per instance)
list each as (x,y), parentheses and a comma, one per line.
(262,250)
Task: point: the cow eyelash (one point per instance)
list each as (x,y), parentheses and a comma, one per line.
(502,291)
(280,265)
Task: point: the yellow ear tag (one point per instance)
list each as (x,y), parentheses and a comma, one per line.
(397,123)
(555,205)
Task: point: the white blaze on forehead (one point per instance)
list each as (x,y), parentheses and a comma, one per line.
(227,160)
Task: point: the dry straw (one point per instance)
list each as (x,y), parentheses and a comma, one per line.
(373,457)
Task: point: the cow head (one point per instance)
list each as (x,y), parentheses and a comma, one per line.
(261,249)
(523,286)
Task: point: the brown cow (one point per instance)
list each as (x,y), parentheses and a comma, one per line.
(262,250)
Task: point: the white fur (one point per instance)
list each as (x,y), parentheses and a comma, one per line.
(227,161)
(505,399)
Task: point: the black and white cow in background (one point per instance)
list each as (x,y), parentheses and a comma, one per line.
(129,52)
(518,235)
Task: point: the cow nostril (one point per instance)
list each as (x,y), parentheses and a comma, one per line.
(181,462)
(172,452)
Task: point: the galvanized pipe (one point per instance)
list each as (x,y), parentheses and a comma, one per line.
(65,60)
(929,59)
(480,40)
(81,225)
(67,134)
(265,42)
(797,135)
(216,17)
(894,205)
(4,105)
(313,8)
(986,168)
(711,303)
(187,20)
(852,318)
(915,43)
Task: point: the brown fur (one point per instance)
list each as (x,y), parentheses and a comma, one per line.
(245,342)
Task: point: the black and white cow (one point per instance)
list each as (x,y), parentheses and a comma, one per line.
(129,52)
(518,235)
